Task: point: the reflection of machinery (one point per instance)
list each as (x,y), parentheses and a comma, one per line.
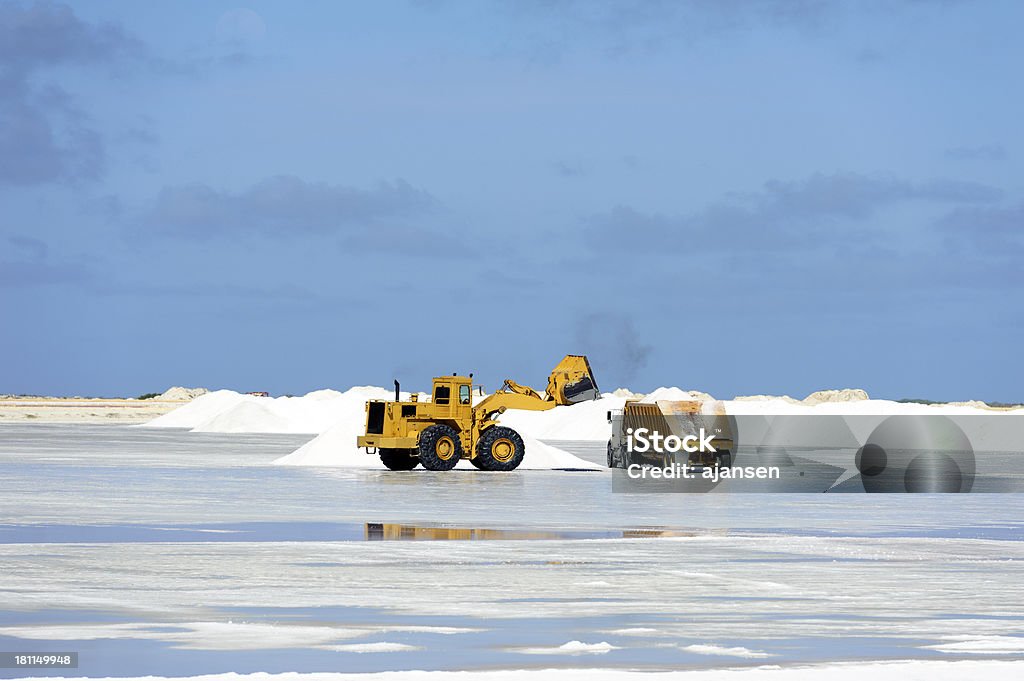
(397,532)
(680,418)
(449,427)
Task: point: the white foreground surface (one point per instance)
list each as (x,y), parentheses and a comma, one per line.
(180,554)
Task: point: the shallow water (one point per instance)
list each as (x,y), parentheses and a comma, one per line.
(166,552)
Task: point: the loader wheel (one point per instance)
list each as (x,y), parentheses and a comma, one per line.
(476,461)
(440,448)
(399,459)
(500,449)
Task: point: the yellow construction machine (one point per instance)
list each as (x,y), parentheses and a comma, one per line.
(449,427)
(670,417)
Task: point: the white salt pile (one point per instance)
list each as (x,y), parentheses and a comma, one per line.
(177,393)
(844,395)
(250,416)
(337,448)
(312,413)
(225,411)
(627,393)
(338,418)
(773,406)
(765,398)
(198,410)
(676,395)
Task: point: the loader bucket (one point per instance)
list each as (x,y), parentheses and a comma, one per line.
(580,391)
(572,381)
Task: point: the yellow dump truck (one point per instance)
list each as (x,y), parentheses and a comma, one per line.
(681,419)
(449,427)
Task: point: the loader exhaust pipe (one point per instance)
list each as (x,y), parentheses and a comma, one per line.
(397,399)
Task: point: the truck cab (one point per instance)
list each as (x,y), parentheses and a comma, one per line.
(452,395)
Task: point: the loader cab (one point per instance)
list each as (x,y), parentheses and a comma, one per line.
(453,395)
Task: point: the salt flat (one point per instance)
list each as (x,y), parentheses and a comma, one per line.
(163,552)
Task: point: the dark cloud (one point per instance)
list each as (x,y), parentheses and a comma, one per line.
(47,34)
(857,196)
(108,207)
(39,272)
(25,262)
(985,152)
(283,206)
(43,136)
(28,246)
(783,216)
(569,168)
(993,231)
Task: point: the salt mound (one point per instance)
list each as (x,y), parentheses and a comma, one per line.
(177,393)
(626,393)
(329,394)
(324,411)
(225,411)
(313,413)
(978,404)
(844,395)
(770,406)
(765,398)
(199,410)
(247,417)
(676,395)
(337,448)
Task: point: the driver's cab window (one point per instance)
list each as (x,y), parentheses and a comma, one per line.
(464,394)
(442,394)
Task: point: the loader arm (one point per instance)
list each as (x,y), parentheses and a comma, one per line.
(513,387)
(571,381)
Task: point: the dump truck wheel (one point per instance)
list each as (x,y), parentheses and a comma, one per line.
(439,448)
(500,449)
(398,459)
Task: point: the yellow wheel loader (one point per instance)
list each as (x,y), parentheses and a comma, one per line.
(449,427)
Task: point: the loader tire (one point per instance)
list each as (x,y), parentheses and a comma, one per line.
(439,448)
(500,449)
(477,463)
(398,459)
(612,463)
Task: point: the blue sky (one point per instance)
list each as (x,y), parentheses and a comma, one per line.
(773,196)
